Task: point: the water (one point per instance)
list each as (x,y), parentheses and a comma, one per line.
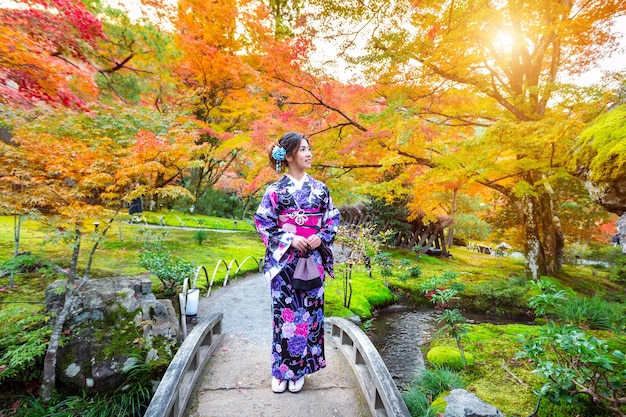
(398,333)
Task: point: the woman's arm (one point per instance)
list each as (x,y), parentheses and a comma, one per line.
(275,239)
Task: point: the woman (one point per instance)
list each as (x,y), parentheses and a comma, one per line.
(297,221)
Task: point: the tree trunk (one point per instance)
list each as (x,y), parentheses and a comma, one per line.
(535,260)
(548,233)
(450,239)
(74,261)
(50,360)
(17,226)
(95,245)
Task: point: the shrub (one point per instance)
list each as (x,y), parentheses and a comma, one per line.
(170,270)
(417,402)
(447,356)
(438,380)
(414,271)
(25,334)
(24,264)
(384,262)
(570,362)
(200,236)
(578,407)
(618,271)
(593,313)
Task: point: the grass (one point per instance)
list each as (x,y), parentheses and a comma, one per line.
(118,254)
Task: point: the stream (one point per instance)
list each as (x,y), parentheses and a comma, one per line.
(399,331)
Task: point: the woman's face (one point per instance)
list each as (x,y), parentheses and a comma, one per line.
(301,158)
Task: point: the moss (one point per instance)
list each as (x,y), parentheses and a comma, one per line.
(440,404)
(367,294)
(448,356)
(602,147)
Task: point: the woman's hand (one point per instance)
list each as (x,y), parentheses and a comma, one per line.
(314,241)
(301,244)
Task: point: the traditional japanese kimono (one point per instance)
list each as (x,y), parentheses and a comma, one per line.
(289,208)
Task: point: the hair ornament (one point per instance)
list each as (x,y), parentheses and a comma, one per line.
(278,153)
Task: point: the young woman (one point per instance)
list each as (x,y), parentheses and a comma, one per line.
(297,221)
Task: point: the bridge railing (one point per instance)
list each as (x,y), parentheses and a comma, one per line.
(380,391)
(176,386)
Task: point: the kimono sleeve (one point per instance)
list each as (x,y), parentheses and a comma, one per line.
(330,220)
(276,240)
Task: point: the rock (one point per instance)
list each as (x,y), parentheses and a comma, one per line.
(461,403)
(112,321)
(609,194)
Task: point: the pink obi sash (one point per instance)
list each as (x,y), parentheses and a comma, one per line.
(303,223)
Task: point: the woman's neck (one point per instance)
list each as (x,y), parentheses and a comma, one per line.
(297,174)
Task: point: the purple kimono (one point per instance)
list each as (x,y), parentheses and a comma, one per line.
(291,208)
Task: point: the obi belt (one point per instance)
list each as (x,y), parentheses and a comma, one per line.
(303,223)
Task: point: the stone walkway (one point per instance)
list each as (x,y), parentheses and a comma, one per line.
(236,381)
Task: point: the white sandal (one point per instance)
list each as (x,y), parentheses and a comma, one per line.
(296,386)
(279,385)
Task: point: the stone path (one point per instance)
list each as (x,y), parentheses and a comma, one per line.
(236,381)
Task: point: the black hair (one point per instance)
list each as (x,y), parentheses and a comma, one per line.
(290,142)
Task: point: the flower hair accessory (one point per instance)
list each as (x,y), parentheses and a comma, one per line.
(278,153)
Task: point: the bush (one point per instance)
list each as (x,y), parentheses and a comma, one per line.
(200,236)
(570,362)
(618,271)
(418,403)
(593,313)
(448,357)
(24,264)
(438,380)
(25,334)
(170,270)
(384,262)
(578,407)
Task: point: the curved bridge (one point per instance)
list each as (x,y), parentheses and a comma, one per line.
(233,340)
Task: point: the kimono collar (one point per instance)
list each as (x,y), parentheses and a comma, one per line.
(298,183)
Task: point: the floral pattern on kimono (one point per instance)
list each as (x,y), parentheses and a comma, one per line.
(298,315)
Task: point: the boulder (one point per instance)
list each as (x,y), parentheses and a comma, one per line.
(461,403)
(112,323)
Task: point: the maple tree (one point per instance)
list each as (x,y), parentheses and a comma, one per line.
(493,67)
(43,52)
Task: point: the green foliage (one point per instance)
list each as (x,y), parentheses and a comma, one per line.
(593,313)
(170,270)
(578,407)
(131,399)
(200,236)
(449,357)
(568,361)
(618,271)
(390,214)
(471,227)
(217,203)
(25,334)
(414,271)
(438,380)
(546,302)
(494,295)
(384,262)
(25,264)
(418,403)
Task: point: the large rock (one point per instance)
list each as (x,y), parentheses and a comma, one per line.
(112,322)
(461,403)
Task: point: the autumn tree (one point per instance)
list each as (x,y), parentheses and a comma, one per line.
(506,60)
(43,52)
